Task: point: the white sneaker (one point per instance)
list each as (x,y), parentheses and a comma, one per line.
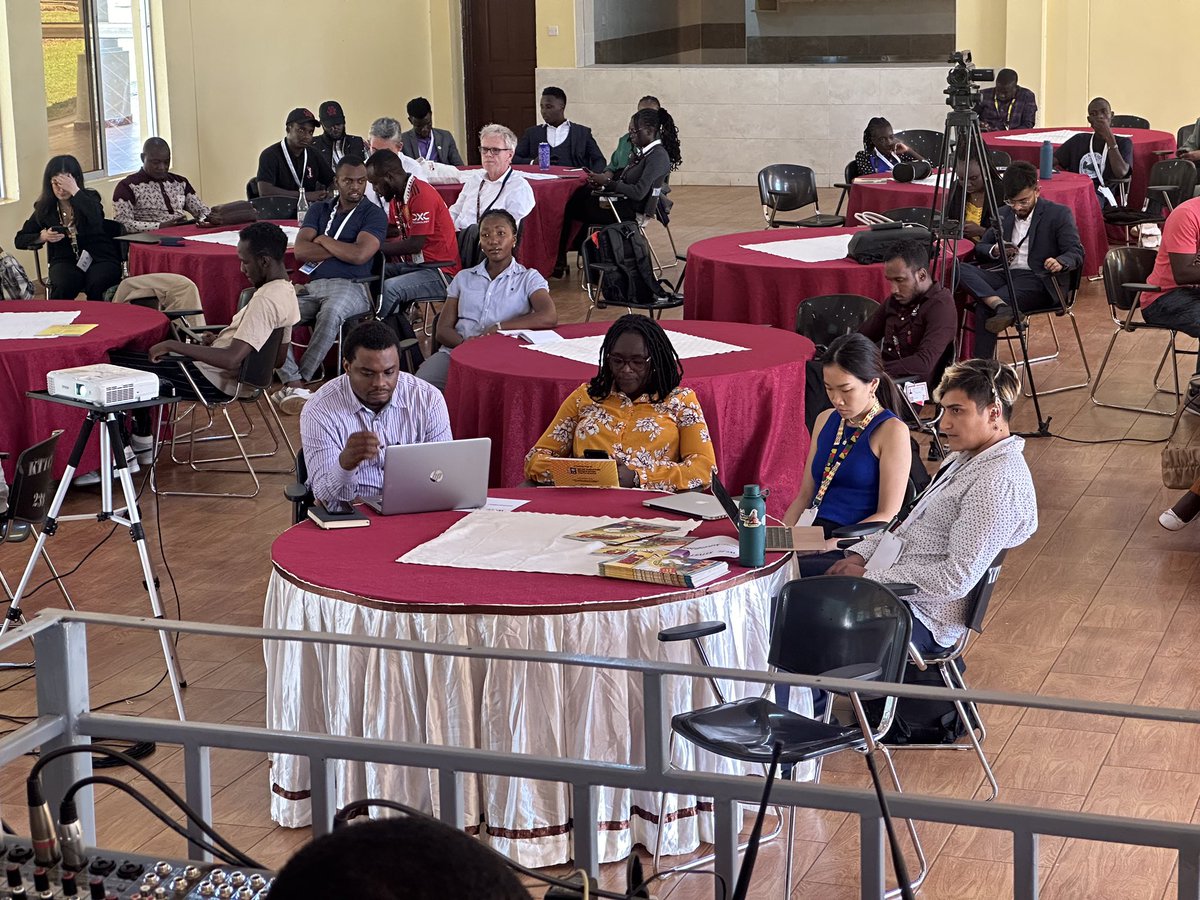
(143,447)
(93,478)
(291,400)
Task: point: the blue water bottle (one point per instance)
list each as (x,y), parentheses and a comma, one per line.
(1047,160)
(544,156)
(752,528)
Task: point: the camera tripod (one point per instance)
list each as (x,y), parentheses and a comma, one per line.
(962,143)
(112,459)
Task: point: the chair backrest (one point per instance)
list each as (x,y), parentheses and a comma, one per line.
(1068,282)
(824,319)
(1126,265)
(1000,159)
(1184,132)
(927,143)
(918,215)
(1180,174)
(258,368)
(787,187)
(374,281)
(113,230)
(831,621)
(274,207)
(1130,122)
(31,488)
(252,189)
(469,251)
(981,595)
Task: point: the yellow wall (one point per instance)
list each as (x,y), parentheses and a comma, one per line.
(556,52)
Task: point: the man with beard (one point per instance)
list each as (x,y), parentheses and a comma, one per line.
(334,143)
(155,197)
(294,165)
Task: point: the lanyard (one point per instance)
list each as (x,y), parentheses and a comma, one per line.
(430,151)
(337,236)
(338,151)
(1092,155)
(288,159)
(890,163)
(940,480)
(836,458)
(1007,115)
(479,196)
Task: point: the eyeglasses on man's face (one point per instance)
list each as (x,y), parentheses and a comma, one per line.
(493,151)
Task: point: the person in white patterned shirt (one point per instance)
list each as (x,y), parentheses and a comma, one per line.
(346,425)
(153,197)
(980,502)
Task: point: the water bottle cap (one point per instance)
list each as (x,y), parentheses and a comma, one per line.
(750,490)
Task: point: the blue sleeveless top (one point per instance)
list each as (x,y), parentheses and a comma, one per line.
(854,492)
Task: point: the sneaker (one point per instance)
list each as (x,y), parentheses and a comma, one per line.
(291,400)
(93,478)
(1002,316)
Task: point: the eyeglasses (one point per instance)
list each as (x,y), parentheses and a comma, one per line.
(628,362)
(493,151)
(1022,201)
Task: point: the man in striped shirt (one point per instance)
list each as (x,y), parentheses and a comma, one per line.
(346,425)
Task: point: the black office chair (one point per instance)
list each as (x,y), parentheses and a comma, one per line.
(657,296)
(1130,122)
(1184,133)
(469,250)
(917,215)
(252,189)
(927,143)
(999,159)
(912,413)
(1066,289)
(1171,182)
(783,188)
(833,626)
(826,318)
(849,173)
(278,208)
(298,493)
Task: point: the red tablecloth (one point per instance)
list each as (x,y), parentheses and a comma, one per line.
(24,364)
(541,229)
(727,283)
(1145,142)
(1075,191)
(360,563)
(214,267)
(753,401)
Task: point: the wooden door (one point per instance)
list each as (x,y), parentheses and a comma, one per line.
(499,58)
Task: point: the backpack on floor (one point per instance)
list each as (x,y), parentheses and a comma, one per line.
(921,721)
(620,262)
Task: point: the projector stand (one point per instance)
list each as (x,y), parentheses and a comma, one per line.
(112,458)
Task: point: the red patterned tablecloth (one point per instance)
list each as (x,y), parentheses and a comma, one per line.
(753,401)
(24,363)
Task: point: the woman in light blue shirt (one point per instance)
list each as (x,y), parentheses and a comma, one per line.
(498,294)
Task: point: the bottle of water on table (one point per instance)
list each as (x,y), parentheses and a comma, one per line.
(544,156)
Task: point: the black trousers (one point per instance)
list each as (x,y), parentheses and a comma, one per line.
(1031,296)
(67,281)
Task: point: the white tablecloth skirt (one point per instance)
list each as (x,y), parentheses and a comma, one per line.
(559,711)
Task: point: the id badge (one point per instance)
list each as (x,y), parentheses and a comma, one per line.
(85,261)
(917,392)
(807,517)
(308,268)
(887,554)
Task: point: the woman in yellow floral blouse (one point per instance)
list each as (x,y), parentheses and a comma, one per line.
(635,411)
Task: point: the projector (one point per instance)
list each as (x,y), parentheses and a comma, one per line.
(102,384)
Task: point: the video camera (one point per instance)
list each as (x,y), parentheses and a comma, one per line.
(964,80)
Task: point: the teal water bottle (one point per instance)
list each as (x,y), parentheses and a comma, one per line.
(752,528)
(1046,170)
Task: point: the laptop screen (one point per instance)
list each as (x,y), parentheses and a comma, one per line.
(722,495)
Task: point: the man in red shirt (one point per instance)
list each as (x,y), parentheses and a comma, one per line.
(1177,273)
(420,230)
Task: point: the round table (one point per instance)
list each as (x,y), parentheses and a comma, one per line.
(1145,142)
(540,230)
(214,268)
(753,401)
(880,193)
(727,283)
(347,582)
(24,364)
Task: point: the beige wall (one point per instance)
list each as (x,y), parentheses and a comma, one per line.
(557,52)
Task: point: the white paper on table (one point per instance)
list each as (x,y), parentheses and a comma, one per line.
(546,336)
(1055,137)
(587,349)
(520,542)
(230,238)
(22,326)
(497,504)
(809,250)
(540,176)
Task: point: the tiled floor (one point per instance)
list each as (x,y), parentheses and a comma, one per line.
(1101,603)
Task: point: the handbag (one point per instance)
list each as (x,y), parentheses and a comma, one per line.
(238,212)
(14,283)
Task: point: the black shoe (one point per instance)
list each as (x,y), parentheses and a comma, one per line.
(1001,318)
(560,270)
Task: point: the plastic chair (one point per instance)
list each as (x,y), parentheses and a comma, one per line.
(1126,270)
(1130,122)
(1171,182)
(274,207)
(826,318)
(833,626)
(1065,293)
(783,188)
(999,159)
(927,143)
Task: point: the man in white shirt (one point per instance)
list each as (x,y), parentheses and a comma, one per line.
(497,185)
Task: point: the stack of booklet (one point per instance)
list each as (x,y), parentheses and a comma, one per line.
(642,551)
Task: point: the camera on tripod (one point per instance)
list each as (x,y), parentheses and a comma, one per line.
(964,80)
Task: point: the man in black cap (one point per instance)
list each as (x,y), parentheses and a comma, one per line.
(334,143)
(293,165)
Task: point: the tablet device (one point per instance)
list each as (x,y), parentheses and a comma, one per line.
(568,472)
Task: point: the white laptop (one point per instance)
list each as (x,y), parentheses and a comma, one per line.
(689,503)
(433,477)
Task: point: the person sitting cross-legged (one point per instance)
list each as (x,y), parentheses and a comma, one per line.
(498,294)
(1040,240)
(336,244)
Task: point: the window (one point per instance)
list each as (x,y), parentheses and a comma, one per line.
(99,87)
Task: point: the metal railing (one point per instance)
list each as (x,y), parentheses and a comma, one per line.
(64,718)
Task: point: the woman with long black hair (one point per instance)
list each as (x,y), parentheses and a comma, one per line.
(68,219)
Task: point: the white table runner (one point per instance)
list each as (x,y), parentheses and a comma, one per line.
(809,250)
(587,349)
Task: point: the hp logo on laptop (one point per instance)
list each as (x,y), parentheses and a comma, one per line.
(435,476)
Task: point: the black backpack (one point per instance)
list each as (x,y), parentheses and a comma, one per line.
(920,721)
(619,261)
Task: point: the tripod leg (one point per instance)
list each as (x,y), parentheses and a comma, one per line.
(138,534)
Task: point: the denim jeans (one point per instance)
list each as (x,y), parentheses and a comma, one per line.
(1178,309)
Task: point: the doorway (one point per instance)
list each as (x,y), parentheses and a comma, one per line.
(499,59)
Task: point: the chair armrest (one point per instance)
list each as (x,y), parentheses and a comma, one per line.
(428,264)
(901,589)
(842,185)
(1137,286)
(1163,152)
(857,671)
(602,267)
(862,529)
(680,258)
(296,491)
(1165,188)
(691,631)
(199,328)
(174,314)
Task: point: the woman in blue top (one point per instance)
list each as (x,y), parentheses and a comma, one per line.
(860,456)
(881,151)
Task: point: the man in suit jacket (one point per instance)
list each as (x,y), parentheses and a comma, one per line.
(423,141)
(571,144)
(1039,238)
